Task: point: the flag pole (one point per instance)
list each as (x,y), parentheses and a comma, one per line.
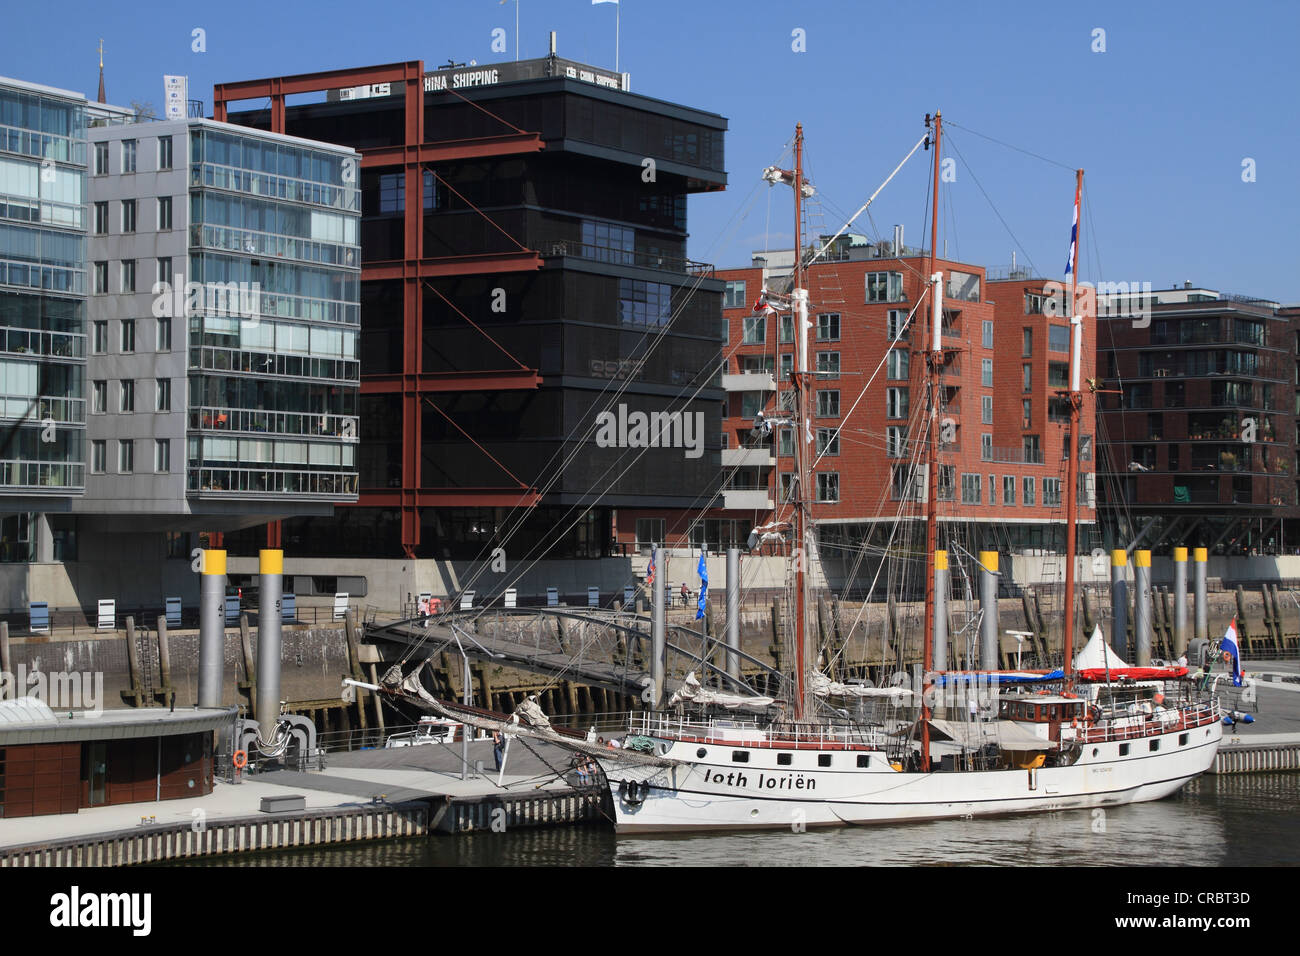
(618,13)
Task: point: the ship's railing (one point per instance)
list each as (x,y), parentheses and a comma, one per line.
(741,733)
(1147,725)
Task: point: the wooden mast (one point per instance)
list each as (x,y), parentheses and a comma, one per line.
(1075,399)
(934,364)
(799,301)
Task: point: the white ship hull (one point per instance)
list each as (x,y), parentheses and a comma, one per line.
(718,791)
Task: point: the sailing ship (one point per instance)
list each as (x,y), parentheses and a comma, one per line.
(1098,735)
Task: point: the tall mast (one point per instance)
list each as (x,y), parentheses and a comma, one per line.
(1075,399)
(934,364)
(802,516)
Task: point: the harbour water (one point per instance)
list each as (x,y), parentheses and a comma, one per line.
(1217,821)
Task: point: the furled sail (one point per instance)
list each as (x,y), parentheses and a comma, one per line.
(823,686)
(691,691)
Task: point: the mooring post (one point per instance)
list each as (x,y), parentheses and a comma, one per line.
(1201,621)
(267,708)
(1119,602)
(1180,602)
(1142,606)
(6,665)
(212,627)
(941,610)
(988,610)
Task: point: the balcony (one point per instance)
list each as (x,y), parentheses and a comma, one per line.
(749,382)
(755,499)
(624,257)
(748,457)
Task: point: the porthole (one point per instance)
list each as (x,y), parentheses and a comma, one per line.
(754,812)
(1095,751)
(701,753)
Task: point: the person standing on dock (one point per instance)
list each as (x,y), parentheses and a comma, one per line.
(498,747)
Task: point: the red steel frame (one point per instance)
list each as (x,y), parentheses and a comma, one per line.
(412,383)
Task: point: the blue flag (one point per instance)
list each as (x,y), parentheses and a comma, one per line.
(704,587)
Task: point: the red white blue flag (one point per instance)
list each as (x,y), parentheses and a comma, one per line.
(650,571)
(1232,653)
(1072,261)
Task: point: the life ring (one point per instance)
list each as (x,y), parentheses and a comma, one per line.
(240,759)
(1227,657)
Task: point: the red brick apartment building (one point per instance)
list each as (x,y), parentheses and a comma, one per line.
(1006,363)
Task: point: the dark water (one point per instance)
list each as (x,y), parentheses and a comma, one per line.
(1242,821)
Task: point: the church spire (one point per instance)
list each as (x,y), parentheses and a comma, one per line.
(102,97)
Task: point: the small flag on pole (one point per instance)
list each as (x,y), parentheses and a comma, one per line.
(650,571)
(704,587)
(1232,653)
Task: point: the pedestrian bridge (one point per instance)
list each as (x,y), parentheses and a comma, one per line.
(603,648)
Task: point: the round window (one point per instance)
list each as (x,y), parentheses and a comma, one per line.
(701,753)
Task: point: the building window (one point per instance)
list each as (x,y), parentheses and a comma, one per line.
(787,366)
(1028,408)
(164,152)
(751,403)
(128,395)
(726,335)
(650,532)
(126,456)
(884,287)
(896,403)
(128,335)
(643,303)
(164,212)
(897,365)
(1008,489)
(787,329)
(733,297)
(896,324)
(162,455)
(986,409)
(128,275)
(963,286)
(1029,497)
(986,446)
(164,273)
(947,482)
(755,329)
(1029,377)
(970,489)
(1033,451)
(99,396)
(1028,348)
(1051,492)
(828,364)
(828,486)
(787,487)
(164,395)
(101,218)
(828,327)
(785,443)
(1058,338)
(828,441)
(101,278)
(128,155)
(98,456)
(993,489)
(99,337)
(101,159)
(164,335)
(896,441)
(607,242)
(1058,375)
(828,404)
(988,333)
(128,215)
(986,373)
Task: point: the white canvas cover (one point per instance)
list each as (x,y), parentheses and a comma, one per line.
(823,686)
(1098,654)
(692,691)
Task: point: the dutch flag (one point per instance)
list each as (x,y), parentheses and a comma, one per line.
(1072,259)
(1232,653)
(650,571)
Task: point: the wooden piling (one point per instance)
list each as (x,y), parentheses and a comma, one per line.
(135,694)
(249,684)
(167,693)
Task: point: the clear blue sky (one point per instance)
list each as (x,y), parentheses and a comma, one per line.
(1162,120)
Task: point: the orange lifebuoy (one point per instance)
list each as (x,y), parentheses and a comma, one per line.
(240,759)
(1227,657)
